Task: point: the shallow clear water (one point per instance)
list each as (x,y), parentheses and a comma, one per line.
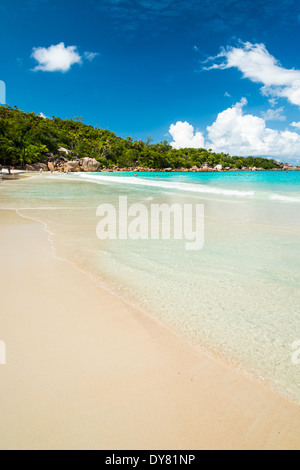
(239,295)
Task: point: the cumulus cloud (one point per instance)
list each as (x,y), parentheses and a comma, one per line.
(184,136)
(59,58)
(259,66)
(42,115)
(245,134)
(274,114)
(237,133)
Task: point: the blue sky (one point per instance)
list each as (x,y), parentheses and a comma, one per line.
(223,74)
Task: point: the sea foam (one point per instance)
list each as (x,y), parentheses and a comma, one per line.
(198,188)
(290,199)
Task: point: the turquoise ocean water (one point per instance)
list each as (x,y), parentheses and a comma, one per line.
(239,296)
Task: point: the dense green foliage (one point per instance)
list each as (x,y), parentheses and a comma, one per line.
(26,138)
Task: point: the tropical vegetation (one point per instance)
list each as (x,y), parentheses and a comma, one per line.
(27,138)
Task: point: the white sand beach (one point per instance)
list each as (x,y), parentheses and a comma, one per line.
(86,371)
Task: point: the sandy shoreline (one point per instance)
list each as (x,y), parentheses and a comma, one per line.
(86,371)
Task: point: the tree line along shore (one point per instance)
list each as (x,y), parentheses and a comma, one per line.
(31,142)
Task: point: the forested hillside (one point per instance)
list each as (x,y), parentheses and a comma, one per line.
(26,138)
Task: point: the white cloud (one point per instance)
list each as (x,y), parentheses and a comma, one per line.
(273,102)
(227,94)
(237,133)
(296,124)
(274,114)
(90,55)
(259,66)
(57,58)
(42,115)
(184,136)
(245,134)
(292,93)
